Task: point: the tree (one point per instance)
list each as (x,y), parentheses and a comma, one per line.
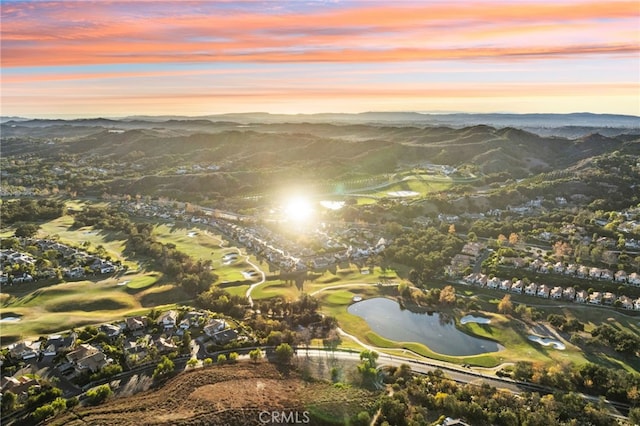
(43,412)
(9,402)
(284,353)
(233,357)
(363,418)
(505,306)
(207,362)
(367,368)
(523,370)
(72,402)
(448,295)
(561,250)
(255,355)
(165,367)
(394,409)
(98,394)
(609,257)
(452,229)
(222,358)
(513,239)
(27,230)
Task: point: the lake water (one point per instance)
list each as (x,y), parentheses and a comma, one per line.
(385,317)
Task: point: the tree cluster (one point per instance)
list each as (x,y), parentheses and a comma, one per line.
(26,210)
(420,399)
(193,276)
(593,379)
(620,340)
(427,251)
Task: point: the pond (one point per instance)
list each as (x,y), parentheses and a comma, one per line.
(385,317)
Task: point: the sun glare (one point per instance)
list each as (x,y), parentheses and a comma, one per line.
(298,209)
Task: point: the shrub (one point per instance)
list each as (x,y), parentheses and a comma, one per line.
(99,394)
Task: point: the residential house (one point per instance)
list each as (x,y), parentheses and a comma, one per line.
(634,279)
(110,330)
(531,289)
(24,350)
(556,293)
(136,349)
(517,287)
(620,276)
(168,319)
(606,274)
(571,269)
(482,280)
(608,298)
(194,318)
(636,305)
(225,336)
(558,268)
(493,282)
(536,264)
(87,358)
(472,249)
(595,272)
(214,326)
(595,298)
(56,343)
(136,323)
(185,324)
(82,351)
(569,293)
(505,285)
(626,302)
(91,363)
(582,296)
(18,385)
(76,272)
(165,345)
(582,271)
(543,291)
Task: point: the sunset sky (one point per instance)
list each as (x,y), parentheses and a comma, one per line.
(87,59)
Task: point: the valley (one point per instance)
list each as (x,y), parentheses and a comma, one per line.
(285,231)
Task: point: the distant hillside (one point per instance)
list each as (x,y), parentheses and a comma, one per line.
(228,158)
(310,145)
(565,125)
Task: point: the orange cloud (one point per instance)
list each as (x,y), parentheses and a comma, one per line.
(62,34)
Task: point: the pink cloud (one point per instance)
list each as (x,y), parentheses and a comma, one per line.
(62,34)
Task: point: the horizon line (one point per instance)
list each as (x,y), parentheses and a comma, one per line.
(426,113)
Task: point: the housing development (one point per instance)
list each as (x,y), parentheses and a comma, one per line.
(142,274)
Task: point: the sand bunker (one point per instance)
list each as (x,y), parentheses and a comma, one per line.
(403,193)
(548,342)
(470,318)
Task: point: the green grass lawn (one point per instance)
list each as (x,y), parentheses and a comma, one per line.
(274,288)
(62,306)
(144,281)
(197,242)
(113,242)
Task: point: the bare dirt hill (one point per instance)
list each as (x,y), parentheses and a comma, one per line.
(228,395)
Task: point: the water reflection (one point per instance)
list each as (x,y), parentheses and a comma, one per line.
(435,330)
